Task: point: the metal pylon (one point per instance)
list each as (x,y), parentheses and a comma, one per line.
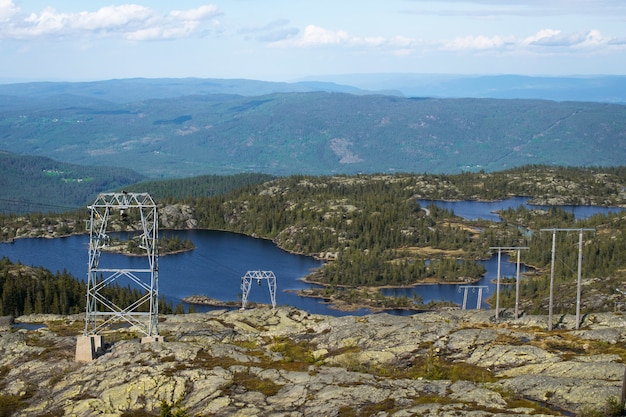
(474,288)
(102,311)
(246,284)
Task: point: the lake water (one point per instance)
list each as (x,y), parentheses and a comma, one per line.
(215,267)
(220,259)
(487,210)
(454,293)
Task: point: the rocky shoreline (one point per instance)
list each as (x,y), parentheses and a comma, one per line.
(287,362)
(209,301)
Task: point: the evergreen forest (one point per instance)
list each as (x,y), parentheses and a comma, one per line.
(372,232)
(26,290)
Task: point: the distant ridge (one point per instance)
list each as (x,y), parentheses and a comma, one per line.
(316,133)
(597,88)
(136,89)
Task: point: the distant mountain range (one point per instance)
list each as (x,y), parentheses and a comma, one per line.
(138,89)
(185,127)
(605,89)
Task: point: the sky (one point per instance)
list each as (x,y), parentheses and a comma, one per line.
(287,40)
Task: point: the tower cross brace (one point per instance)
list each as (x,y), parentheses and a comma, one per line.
(101,311)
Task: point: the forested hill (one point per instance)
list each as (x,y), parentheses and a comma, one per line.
(313,133)
(29,183)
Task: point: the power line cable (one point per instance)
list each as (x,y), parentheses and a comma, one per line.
(31,203)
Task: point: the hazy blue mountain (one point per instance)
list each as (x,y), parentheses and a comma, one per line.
(607,89)
(136,89)
(312,133)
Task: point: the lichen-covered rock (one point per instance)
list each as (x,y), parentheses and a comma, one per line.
(287,362)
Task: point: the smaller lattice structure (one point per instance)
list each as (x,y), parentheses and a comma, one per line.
(258,276)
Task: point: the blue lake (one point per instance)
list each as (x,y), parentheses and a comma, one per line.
(215,267)
(454,293)
(487,210)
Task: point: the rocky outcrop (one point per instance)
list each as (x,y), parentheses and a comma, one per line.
(177,216)
(286,362)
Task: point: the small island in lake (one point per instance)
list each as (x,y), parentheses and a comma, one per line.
(167,245)
(208,301)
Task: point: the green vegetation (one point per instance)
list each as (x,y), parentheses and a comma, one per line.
(167,244)
(312,133)
(252,382)
(172,410)
(9,404)
(26,290)
(37,184)
(173,190)
(374,233)
(41,185)
(613,408)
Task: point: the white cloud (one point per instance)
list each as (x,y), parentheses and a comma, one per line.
(201,13)
(128,21)
(550,39)
(545,41)
(315,35)
(479,42)
(7,10)
(108,18)
(544,36)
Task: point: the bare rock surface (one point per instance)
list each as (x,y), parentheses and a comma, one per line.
(287,362)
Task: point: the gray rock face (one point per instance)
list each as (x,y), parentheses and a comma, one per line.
(177,216)
(286,362)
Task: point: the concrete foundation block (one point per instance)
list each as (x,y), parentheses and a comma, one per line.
(88,348)
(152,339)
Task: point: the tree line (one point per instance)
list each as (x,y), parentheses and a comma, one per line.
(376,232)
(26,290)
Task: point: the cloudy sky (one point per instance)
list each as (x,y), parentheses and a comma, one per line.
(284,40)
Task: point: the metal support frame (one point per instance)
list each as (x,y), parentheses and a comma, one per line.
(101,311)
(500,249)
(474,288)
(246,285)
(580,264)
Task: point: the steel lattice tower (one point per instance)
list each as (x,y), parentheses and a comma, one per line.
(246,285)
(101,311)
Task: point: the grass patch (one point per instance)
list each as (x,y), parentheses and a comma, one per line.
(297,356)
(252,382)
(204,359)
(433,399)
(387,406)
(137,413)
(434,367)
(9,404)
(65,328)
